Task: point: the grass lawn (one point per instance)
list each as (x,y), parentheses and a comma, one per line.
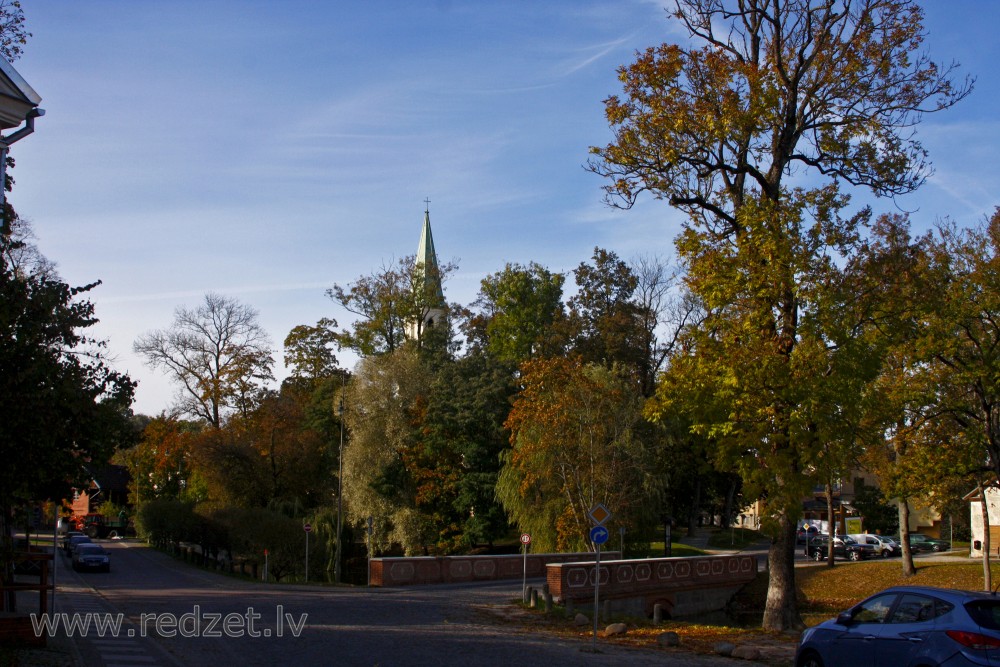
(826,591)
(823,592)
(676,549)
(734,538)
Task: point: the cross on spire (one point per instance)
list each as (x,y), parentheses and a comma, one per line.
(427,205)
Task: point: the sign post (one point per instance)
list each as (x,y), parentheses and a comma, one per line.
(308,528)
(598,535)
(525,541)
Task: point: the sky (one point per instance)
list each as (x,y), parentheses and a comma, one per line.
(268,150)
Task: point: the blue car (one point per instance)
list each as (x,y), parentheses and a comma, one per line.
(908,626)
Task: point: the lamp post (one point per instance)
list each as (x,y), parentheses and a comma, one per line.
(340,481)
(18,104)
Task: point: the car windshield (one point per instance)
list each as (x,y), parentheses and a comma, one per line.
(986,613)
(849,540)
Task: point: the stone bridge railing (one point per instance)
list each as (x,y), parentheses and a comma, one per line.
(408,571)
(683,586)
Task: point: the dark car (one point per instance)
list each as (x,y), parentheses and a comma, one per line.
(908,625)
(921,542)
(67,537)
(843,547)
(90,556)
(75,540)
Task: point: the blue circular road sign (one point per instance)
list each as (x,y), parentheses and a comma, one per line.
(598,534)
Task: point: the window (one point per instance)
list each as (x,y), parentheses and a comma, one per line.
(986,613)
(913,609)
(874,610)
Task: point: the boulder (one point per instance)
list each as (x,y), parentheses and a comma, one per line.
(615,629)
(580,619)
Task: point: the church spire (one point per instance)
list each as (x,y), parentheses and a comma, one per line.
(427,257)
(428,280)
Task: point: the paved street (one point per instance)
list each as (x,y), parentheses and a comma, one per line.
(439,625)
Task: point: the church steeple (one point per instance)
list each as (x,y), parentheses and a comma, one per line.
(428,275)
(427,256)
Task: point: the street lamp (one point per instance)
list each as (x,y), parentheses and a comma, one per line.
(340,480)
(18,104)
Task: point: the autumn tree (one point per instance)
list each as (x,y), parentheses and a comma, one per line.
(159,465)
(309,350)
(218,353)
(574,431)
(386,302)
(13,35)
(961,342)
(716,126)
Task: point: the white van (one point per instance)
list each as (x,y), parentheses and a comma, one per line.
(882,549)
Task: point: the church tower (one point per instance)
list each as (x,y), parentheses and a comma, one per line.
(430,296)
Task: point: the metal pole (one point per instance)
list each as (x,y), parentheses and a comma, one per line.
(524,575)
(340,482)
(307,556)
(55,545)
(597,588)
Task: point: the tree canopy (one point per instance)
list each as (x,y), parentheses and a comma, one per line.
(217,352)
(717,125)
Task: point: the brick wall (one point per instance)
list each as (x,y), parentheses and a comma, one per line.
(408,571)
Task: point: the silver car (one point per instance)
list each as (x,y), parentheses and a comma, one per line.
(908,625)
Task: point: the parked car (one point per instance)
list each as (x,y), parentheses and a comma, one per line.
(75,540)
(67,537)
(890,547)
(883,546)
(921,542)
(90,556)
(908,625)
(843,547)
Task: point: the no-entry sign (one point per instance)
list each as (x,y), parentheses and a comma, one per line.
(307,527)
(525,538)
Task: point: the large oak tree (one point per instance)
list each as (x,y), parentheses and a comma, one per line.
(763,90)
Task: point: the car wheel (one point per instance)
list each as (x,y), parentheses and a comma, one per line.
(886,553)
(817,555)
(810,659)
(854,555)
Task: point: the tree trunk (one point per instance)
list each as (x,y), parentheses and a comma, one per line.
(904,538)
(830,525)
(781,611)
(987,575)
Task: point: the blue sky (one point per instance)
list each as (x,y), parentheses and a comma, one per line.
(267,150)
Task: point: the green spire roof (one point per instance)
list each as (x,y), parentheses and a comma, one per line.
(427,257)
